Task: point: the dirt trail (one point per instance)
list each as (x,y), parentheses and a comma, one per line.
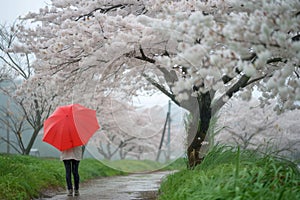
(131,187)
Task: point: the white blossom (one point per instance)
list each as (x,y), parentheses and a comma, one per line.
(212,44)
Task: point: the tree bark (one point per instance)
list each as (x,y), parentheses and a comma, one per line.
(198,129)
(38,125)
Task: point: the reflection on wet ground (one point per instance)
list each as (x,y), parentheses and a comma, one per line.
(131,187)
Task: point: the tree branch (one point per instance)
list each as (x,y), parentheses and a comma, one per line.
(161,88)
(144,57)
(296,38)
(107,9)
(242,82)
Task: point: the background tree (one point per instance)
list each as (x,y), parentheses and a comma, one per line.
(129,131)
(198,53)
(27,109)
(13,122)
(14,64)
(259,128)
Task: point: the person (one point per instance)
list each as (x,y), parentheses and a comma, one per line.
(71,158)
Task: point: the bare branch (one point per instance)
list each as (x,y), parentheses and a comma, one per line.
(161,88)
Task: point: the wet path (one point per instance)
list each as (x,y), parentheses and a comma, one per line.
(131,187)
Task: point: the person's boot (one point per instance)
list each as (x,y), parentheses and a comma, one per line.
(70,192)
(76,193)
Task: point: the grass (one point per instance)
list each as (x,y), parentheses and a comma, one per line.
(136,166)
(228,173)
(23,177)
(178,164)
(133,166)
(225,173)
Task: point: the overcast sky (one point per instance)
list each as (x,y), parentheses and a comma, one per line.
(10,10)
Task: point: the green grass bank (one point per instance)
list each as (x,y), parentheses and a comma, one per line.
(136,166)
(230,174)
(225,174)
(24,177)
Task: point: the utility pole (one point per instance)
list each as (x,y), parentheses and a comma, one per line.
(167,122)
(169,133)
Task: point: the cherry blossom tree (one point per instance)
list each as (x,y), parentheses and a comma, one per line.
(199,53)
(15,124)
(128,131)
(115,139)
(24,109)
(13,64)
(259,128)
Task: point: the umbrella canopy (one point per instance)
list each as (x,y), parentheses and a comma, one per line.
(70,126)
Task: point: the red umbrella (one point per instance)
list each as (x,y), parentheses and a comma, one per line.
(70,126)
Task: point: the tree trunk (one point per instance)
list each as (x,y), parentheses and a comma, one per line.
(38,125)
(198,129)
(32,140)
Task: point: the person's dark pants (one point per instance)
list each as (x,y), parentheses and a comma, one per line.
(71,167)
